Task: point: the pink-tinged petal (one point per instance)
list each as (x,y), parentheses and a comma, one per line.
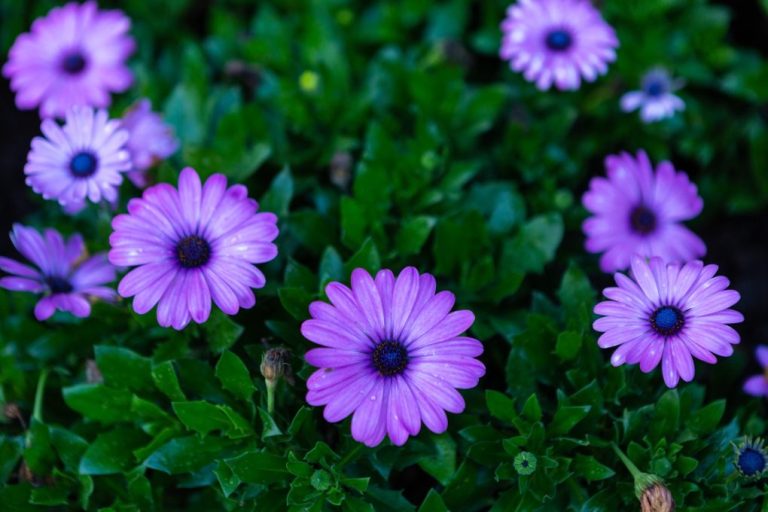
(757,385)
(458,371)
(221,293)
(762,355)
(213,192)
(148,296)
(190,196)
(404,297)
(21,284)
(368,420)
(333,316)
(619,356)
(335,358)
(385,284)
(45,308)
(343,300)
(173,310)
(714,304)
(617,309)
(405,406)
(644,277)
(459,346)
(606,323)
(431,314)
(652,354)
(347,396)
(451,326)
(682,359)
(368,300)
(727,316)
(94,271)
(199,296)
(324,333)
(697,349)
(686,278)
(143,277)
(620,335)
(441,395)
(14,267)
(669,368)
(712,342)
(434,417)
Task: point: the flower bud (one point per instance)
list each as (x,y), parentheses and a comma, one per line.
(273,364)
(657,498)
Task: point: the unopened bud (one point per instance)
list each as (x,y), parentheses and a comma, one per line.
(341,169)
(12,412)
(657,498)
(92,372)
(274,363)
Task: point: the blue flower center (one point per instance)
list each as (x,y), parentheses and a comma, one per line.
(74,63)
(667,320)
(83,164)
(58,284)
(642,220)
(751,461)
(654,88)
(193,252)
(559,40)
(390,358)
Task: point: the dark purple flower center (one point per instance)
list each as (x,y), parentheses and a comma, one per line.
(642,220)
(559,40)
(83,164)
(654,88)
(667,320)
(58,284)
(751,461)
(390,358)
(193,252)
(74,63)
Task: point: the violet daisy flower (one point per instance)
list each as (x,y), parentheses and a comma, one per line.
(84,159)
(669,313)
(73,56)
(757,385)
(638,211)
(656,99)
(63,275)
(191,246)
(392,355)
(557,42)
(151,140)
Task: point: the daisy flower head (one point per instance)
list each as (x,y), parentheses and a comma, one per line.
(560,42)
(61,272)
(190,246)
(757,385)
(751,458)
(73,56)
(83,159)
(655,99)
(670,313)
(392,355)
(150,140)
(636,210)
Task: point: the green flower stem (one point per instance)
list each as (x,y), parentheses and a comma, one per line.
(271,386)
(628,463)
(351,454)
(37,412)
(643,481)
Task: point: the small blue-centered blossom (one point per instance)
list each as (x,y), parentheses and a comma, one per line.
(750,458)
(656,99)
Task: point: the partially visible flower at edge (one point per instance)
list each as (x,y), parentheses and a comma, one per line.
(655,99)
(751,458)
(638,211)
(757,385)
(150,141)
(668,313)
(63,276)
(74,56)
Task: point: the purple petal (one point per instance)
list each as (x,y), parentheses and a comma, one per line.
(368,420)
(441,394)
(757,385)
(762,355)
(620,334)
(198,296)
(644,277)
(326,334)
(190,196)
(44,308)
(21,284)
(221,293)
(432,313)
(405,406)
(652,355)
(368,300)
(403,298)
(14,267)
(451,326)
(682,359)
(669,368)
(433,416)
(459,346)
(335,358)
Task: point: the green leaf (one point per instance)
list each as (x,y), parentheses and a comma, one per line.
(501,406)
(269,427)
(11,449)
(535,244)
(123,368)
(228,481)
(278,197)
(590,469)
(166,380)
(221,331)
(353,223)
(567,417)
(532,409)
(705,420)
(433,503)
(442,464)
(204,417)
(69,446)
(295,301)
(666,415)
(366,257)
(234,376)
(98,402)
(568,345)
(186,454)
(413,233)
(258,467)
(112,452)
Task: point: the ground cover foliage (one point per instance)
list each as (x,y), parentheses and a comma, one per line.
(385,134)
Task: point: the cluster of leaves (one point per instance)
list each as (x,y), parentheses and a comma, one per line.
(385,134)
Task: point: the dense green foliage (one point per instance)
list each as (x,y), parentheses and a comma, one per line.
(384,134)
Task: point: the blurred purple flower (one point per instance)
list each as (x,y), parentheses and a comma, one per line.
(668,313)
(638,211)
(757,385)
(656,99)
(73,56)
(393,355)
(85,158)
(191,246)
(557,42)
(61,274)
(151,140)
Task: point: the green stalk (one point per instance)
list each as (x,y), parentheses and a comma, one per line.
(642,480)
(37,412)
(271,386)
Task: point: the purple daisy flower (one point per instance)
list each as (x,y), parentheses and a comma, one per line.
(74,56)
(757,385)
(63,274)
(191,246)
(656,99)
(669,313)
(557,42)
(638,211)
(151,140)
(84,159)
(392,355)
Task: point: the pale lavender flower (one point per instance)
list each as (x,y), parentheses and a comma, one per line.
(656,99)
(560,42)
(151,140)
(191,246)
(670,313)
(392,355)
(73,56)
(64,274)
(757,385)
(84,159)
(638,211)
